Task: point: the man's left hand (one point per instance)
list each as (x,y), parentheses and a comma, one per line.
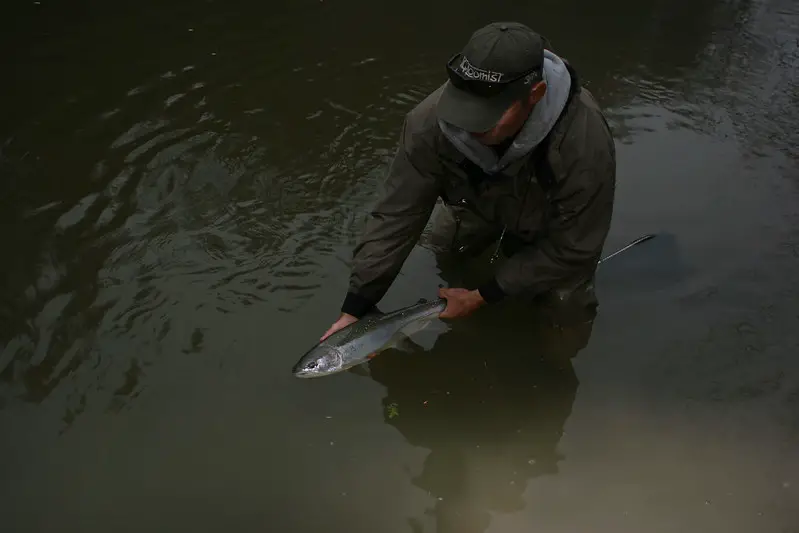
(460,302)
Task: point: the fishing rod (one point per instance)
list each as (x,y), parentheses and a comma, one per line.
(639,240)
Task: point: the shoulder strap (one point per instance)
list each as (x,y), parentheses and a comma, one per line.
(540,163)
(539,156)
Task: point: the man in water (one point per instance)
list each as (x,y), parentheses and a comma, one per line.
(510,147)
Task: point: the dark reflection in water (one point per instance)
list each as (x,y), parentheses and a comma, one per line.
(489,401)
(723,68)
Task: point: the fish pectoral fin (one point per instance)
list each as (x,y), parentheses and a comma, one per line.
(403,343)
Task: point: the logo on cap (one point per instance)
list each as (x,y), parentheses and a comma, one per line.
(533,76)
(476,73)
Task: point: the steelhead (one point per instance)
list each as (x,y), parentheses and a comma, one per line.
(358,342)
(361,340)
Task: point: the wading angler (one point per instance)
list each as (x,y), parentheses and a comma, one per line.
(509,151)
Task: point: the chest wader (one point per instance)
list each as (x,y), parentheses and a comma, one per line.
(457,233)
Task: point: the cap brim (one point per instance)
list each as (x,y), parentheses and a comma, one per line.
(472,113)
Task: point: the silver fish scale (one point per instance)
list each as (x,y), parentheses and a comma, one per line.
(367,324)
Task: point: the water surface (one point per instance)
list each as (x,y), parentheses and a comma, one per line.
(182,185)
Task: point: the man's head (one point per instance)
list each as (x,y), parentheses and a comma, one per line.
(494,82)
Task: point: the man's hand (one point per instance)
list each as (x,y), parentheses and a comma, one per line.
(343,321)
(460,302)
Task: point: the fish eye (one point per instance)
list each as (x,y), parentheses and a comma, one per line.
(312,365)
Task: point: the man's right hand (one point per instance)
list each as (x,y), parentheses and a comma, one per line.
(343,321)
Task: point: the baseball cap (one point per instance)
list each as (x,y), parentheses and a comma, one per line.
(499,64)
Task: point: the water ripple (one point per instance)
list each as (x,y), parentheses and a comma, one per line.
(190,207)
(745,79)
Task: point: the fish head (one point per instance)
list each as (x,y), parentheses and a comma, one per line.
(321,360)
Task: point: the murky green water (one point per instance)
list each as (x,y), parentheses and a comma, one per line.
(182,184)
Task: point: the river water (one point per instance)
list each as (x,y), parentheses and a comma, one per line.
(182,184)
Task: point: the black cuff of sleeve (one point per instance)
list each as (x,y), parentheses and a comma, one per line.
(356,305)
(491,291)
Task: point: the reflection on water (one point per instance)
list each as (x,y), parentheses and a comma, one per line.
(489,401)
(745,78)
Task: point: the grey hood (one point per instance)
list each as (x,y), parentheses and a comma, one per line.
(537,126)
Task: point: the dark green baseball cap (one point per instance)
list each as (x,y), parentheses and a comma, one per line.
(497,67)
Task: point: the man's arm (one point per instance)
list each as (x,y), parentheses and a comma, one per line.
(393,226)
(576,233)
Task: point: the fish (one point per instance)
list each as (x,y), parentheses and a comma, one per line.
(360,341)
(376,332)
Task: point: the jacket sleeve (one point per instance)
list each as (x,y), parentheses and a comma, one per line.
(582,207)
(394,224)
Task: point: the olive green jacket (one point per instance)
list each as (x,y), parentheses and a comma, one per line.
(559,207)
